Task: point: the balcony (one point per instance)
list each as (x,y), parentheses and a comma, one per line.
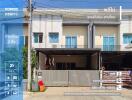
(74,46)
(102,47)
(114,47)
(108,47)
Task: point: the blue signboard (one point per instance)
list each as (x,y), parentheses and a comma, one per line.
(11,44)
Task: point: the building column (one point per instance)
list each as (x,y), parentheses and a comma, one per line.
(88,35)
(91,35)
(89,38)
(120,36)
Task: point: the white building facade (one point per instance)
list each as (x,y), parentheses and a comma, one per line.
(83,28)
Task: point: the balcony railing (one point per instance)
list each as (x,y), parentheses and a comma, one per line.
(74,46)
(114,47)
(102,47)
(108,47)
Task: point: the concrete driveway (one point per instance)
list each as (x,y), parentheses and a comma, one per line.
(78,93)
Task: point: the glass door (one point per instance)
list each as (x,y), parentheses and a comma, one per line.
(68,42)
(74,42)
(71,42)
(108,43)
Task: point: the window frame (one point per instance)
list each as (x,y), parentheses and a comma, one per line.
(38,37)
(56,41)
(71,43)
(128,42)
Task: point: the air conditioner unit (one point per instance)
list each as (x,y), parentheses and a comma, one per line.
(129,46)
(54,46)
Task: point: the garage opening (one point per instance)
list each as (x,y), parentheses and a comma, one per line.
(117,60)
(68,59)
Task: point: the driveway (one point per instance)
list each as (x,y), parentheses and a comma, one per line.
(78,93)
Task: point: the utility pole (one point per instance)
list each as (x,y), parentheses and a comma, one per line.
(120,13)
(29,43)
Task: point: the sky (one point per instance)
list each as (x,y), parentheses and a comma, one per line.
(84,3)
(68,3)
(11,3)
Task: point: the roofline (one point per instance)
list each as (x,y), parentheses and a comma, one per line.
(66,12)
(68,51)
(77,9)
(85,49)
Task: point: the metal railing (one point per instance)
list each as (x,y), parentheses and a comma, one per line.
(102,47)
(109,47)
(114,47)
(74,46)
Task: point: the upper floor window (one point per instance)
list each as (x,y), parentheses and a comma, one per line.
(53,37)
(38,37)
(71,41)
(108,43)
(127,38)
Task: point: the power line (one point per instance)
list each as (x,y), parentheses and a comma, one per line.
(46,5)
(55,13)
(110,1)
(64,12)
(5,19)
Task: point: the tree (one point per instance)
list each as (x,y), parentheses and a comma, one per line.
(25,61)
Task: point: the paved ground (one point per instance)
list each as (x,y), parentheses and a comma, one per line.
(78,93)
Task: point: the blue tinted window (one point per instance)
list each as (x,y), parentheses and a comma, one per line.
(53,37)
(127,38)
(108,43)
(38,37)
(71,42)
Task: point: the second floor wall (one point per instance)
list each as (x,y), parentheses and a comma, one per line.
(43,27)
(50,31)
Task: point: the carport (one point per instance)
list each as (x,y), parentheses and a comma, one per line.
(68,66)
(117,60)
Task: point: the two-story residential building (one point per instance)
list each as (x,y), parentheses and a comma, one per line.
(79,42)
(76,41)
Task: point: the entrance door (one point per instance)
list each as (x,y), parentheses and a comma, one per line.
(108,43)
(71,42)
(68,42)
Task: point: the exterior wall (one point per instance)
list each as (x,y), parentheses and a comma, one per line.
(79,60)
(41,61)
(46,24)
(69,77)
(94,61)
(79,31)
(103,30)
(125,27)
(53,23)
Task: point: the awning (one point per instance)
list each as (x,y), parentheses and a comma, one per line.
(68,51)
(116,52)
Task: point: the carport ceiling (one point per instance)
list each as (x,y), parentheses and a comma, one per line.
(67,51)
(115,52)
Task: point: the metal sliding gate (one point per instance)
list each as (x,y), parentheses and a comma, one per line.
(68,77)
(116,78)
